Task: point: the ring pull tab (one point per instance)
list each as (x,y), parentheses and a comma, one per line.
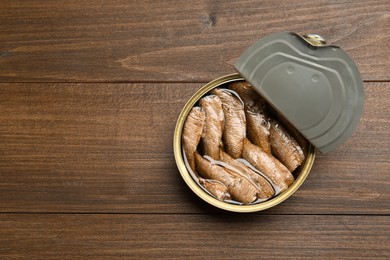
(314,39)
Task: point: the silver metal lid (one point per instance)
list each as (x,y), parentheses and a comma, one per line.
(317,87)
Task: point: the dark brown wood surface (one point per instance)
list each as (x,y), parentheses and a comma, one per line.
(108,148)
(90,92)
(174,40)
(203,236)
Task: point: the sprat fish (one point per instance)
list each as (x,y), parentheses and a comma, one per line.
(257,120)
(214,123)
(267,164)
(235,124)
(192,132)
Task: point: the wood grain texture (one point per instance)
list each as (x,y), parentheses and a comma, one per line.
(174,237)
(108,148)
(130,41)
(86,160)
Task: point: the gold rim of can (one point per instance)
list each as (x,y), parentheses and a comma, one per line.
(177,149)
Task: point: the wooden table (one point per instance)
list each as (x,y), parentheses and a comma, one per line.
(89,96)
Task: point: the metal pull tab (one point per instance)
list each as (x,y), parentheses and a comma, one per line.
(314,39)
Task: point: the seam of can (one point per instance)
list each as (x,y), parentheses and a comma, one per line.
(195,187)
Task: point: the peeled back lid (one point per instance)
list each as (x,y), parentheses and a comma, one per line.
(316,87)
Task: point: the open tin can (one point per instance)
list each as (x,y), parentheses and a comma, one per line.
(315,88)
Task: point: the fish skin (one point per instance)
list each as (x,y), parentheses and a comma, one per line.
(264,187)
(258,128)
(268,164)
(217,188)
(240,189)
(246,92)
(214,124)
(192,133)
(301,140)
(285,147)
(235,123)
(257,119)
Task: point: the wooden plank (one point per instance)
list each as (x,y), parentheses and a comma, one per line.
(76,41)
(108,148)
(193,236)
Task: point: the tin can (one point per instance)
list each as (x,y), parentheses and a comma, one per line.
(314,87)
(198,190)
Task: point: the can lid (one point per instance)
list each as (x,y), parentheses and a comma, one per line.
(317,87)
